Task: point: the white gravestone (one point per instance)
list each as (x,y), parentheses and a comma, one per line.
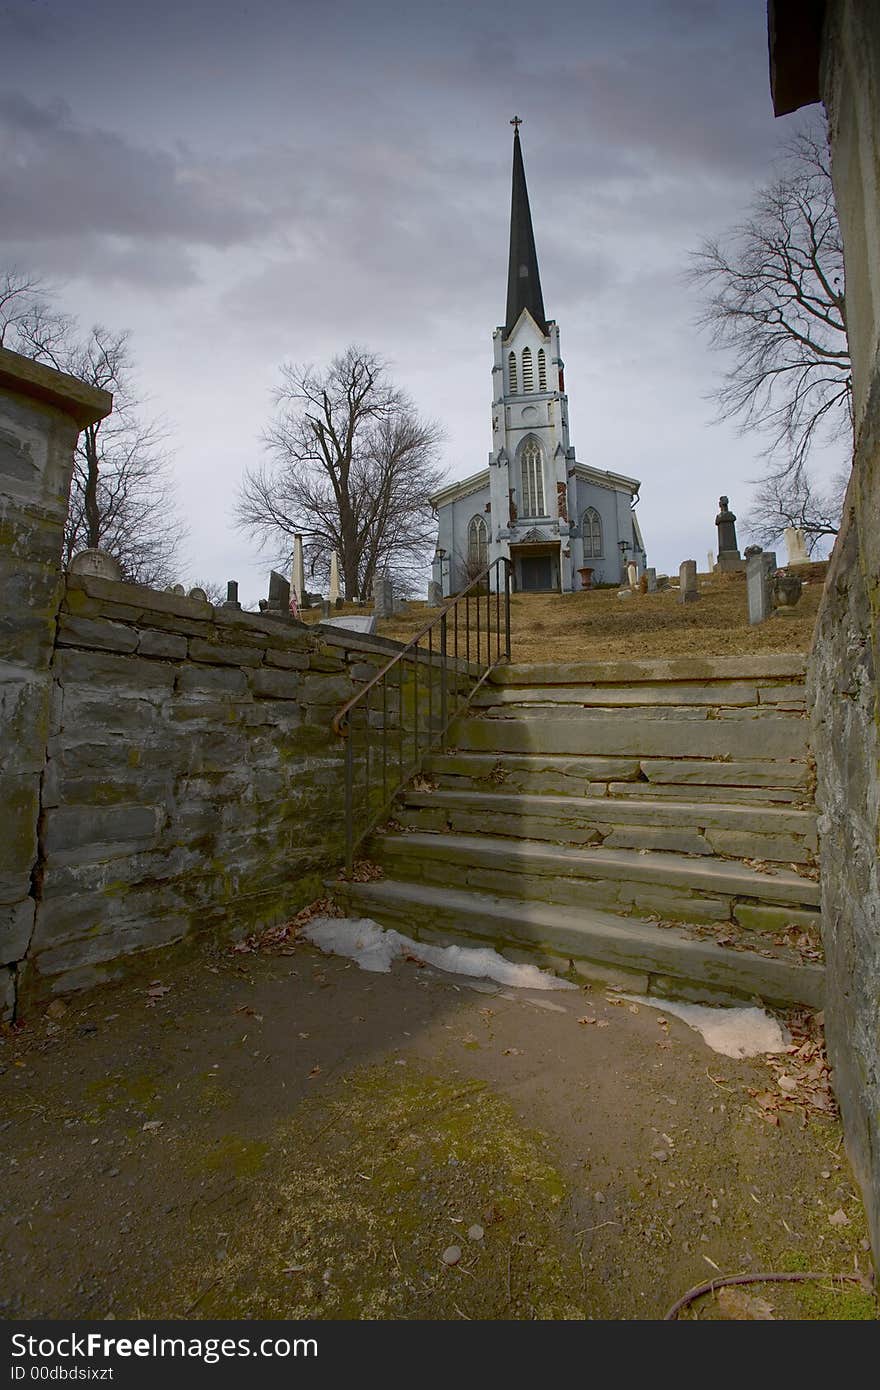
(297,573)
(334,578)
(632,575)
(687,580)
(795,546)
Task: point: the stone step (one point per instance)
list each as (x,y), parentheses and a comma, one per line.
(775,739)
(759,669)
(773,833)
(715,694)
(709,779)
(651,959)
(675,886)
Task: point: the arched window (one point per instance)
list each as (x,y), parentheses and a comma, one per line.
(592,534)
(542,370)
(511,373)
(532,472)
(478,544)
(528,383)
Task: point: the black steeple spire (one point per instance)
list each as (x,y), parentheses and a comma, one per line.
(523,280)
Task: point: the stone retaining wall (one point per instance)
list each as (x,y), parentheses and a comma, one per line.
(192,781)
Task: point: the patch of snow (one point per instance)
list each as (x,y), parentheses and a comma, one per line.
(374,948)
(734,1032)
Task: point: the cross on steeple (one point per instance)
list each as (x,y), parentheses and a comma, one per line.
(516,123)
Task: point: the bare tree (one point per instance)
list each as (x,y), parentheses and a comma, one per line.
(350,469)
(793,499)
(775,299)
(122,495)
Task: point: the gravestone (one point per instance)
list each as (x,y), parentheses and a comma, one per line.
(334,578)
(199,593)
(231,595)
(651,576)
(279,595)
(435,594)
(632,575)
(353,622)
(326,608)
(383,597)
(795,546)
(710,561)
(787,589)
(729,558)
(689,590)
(97,563)
(297,573)
(760,570)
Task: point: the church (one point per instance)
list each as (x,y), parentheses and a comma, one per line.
(563,525)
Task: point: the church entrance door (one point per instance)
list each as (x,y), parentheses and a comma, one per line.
(536,572)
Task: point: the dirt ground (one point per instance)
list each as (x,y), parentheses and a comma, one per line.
(286,1136)
(596,625)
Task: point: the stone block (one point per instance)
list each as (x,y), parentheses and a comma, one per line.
(288,661)
(99,831)
(657,838)
(211,679)
(110,669)
(169,646)
(771,917)
(96,634)
(326,690)
(20,800)
(220,654)
(786,849)
(277,684)
(16,926)
(24,722)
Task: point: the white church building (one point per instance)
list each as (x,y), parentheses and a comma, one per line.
(564,525)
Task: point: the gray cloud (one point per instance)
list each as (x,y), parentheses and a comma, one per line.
(102,198)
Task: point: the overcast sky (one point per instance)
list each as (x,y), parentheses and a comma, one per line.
(241,182)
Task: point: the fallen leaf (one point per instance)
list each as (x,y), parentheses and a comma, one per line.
(153,1125)
(838,1218)
(587,1019)
(512,1052)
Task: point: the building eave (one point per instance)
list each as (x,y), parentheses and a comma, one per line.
(604,478)
(477,482)
(794,36)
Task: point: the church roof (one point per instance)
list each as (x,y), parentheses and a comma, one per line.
(523,280)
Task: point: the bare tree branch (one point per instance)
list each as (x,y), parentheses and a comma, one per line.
(774,301)
(795,500)
(350,468)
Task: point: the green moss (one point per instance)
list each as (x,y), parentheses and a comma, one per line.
(137,1092)
(836,1302)
(356,1197)
(233,1154)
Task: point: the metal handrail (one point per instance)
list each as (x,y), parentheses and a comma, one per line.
(410,747)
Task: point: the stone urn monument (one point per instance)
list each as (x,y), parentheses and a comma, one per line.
(586,575)
(787,589)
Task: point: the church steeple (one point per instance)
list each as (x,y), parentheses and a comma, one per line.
(523,280)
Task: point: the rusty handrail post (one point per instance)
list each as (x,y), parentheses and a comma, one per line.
(349,799)
(443,719)
(507,609)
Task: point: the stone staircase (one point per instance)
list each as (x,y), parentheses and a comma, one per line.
(645,823)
